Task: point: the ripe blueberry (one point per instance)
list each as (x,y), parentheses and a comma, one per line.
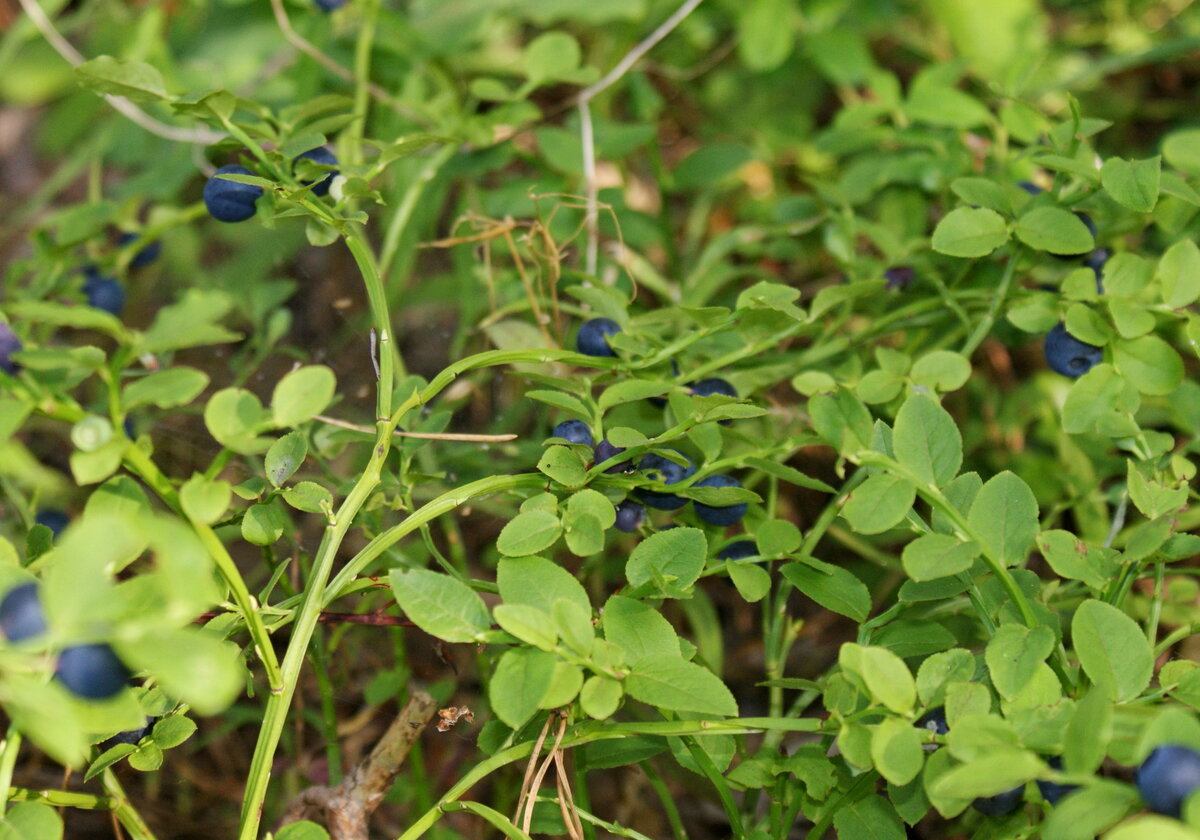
(605,450)
(900,277)
(713,385)
(330,5)
(934,720)
(143,257)
(1000,805)
(668,472)
(592,339)
(129,736)
(9,344)
(21,615)
(103,293)
(724,515)
(229,201)
(323,156)
(55,520)
(629,516)
(1069,356)
(573,431)
(1168,777)
(738,550)
(1096,262)
(1054,791)
(92,671)
(1029,187)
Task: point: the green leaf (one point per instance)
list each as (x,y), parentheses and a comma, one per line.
(301,394)
(166,388)
(1087,812)
(767,37)
(927,441)
(134,80)
(1088,733)
(842,420)
(309,497)
(440,605)
(631,390)
(31,821)
(263,523)
(173,730)
(1152,827)
(1004,515)
(564,465)
(1179,274)
(884,673)
(670,561)
(205,501)
(970,232)
(1151,497)
(529,532)
(235,418)
(192,322)
(676,684)
(879,503)
(302,830)
(1014,654)
(942,370)
(529,624)
(1112,649)
(638,629)
(600,697)
(285,457)
(1132,183)
(832,587)
(933,99)
(519,683)
(1182,150)
(537,582)
(933,556)
(1070,557)
(869,818)
(191,664)
(896,750)
(1003,768)
(1149,363)
(1098,401)
(1054,230)
(552,56)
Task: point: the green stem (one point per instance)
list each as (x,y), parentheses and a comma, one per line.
(128,816)
(404,210)
(984,327)
(62,799)
(356,241)
(8,760)
(369,11)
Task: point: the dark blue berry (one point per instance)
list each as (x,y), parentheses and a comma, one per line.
(1054,791)
(21,613)
(725,515)
(592,339)
(229,201)
(92,671)
(1096,262)
(1168,776)
(55,520)
(629,516)
(1069,356)
(9,344)
(104,293)
(325,157)
(900,277)
(129,736)
(146,255)
(668,472)
(1029,187)
(934,720)
(330,5)
(1000,805)
(605,450)
(738,550)
(573,431)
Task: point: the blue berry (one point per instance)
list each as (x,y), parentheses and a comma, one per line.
(104,293)
(55,520)
(573,431)
(9,344)
(330,5)
(605,450)
(129,736)
(900,277)
(592,339)
(229,201)
(1054,791)
(1096,262)
(934,720)
(668,472)
(1069,356)
(1168,776)
(21,613)
(146,255)
(1029,187)
(327,158)
(629,516)
(92,671)
(738,550)
(725,515)
(1000,805)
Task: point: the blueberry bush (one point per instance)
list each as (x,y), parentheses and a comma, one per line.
(637,418)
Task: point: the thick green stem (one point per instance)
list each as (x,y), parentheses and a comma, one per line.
(8,760)
(125,813)
(356,241)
